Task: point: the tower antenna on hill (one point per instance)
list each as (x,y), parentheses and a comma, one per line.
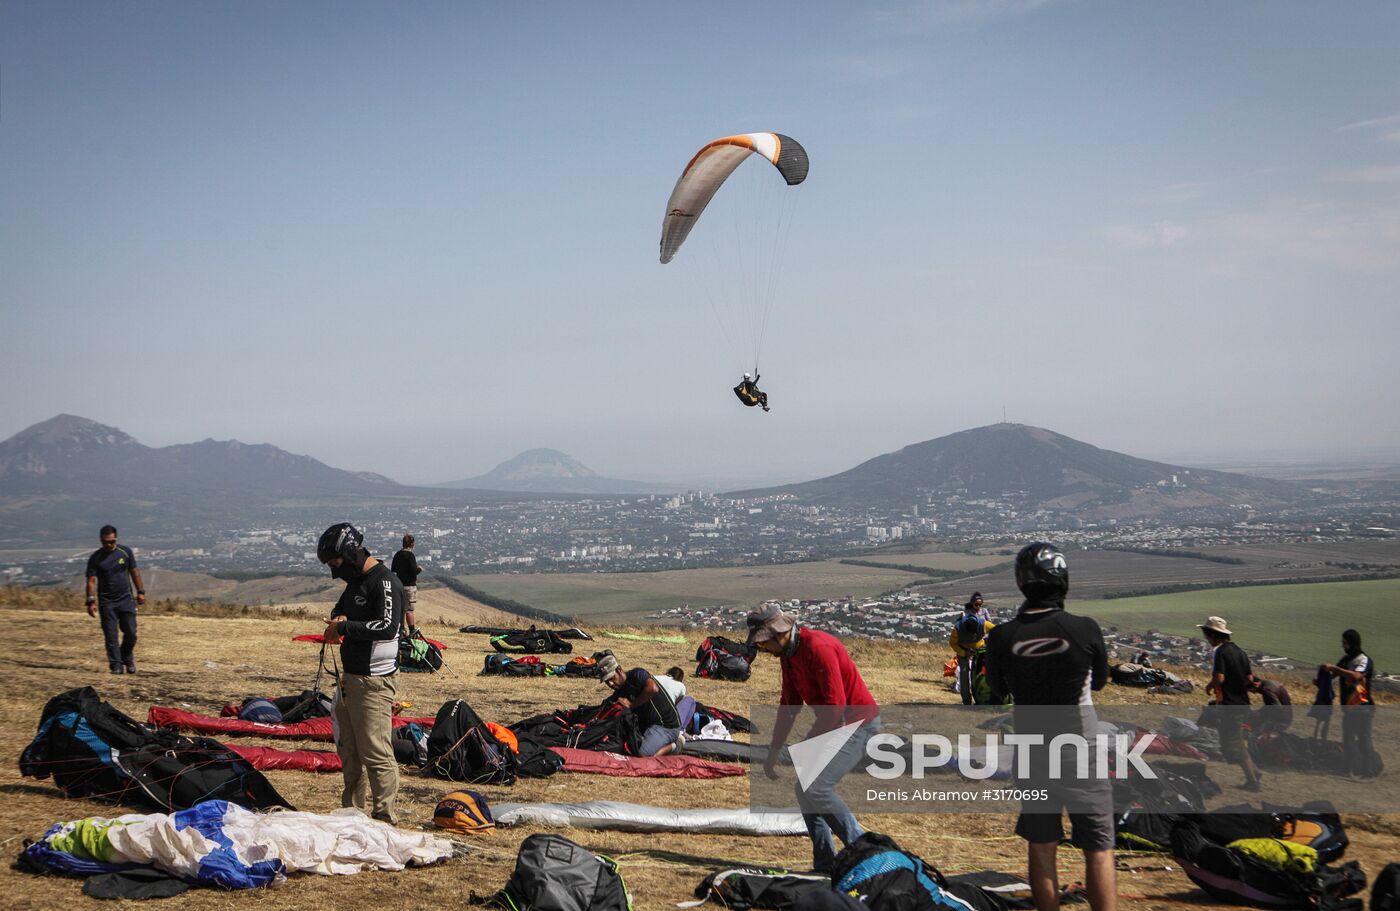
(1003,414)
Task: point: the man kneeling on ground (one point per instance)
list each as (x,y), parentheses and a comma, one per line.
(656,714)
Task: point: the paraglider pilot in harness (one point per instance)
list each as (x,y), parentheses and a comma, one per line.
(749,393)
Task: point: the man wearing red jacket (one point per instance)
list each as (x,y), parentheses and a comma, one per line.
(818,672)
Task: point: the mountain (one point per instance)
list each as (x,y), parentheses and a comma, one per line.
(551,471)
(65,477)
(72,455)
(1037,469)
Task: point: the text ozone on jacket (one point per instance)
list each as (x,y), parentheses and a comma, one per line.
(373,611)
(820,673)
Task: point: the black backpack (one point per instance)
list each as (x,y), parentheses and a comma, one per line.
(410,744)
(93,750)
(554,874)
(462,748)
(719,658)
(876,871)
(1385,894)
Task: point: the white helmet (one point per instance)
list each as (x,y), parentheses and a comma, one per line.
(746,376)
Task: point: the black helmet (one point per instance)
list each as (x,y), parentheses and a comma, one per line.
(1041,571)
(342,540)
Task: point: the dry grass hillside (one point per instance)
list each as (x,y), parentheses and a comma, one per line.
(201,656)
(179,590)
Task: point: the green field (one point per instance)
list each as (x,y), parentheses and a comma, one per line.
(1304,622)
(625,597)
(953,562)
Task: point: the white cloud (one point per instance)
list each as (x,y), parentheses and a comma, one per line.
(1355,237)
(1130,237)
(1363,238)
(1386,121)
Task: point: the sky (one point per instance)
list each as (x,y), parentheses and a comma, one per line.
(417,238)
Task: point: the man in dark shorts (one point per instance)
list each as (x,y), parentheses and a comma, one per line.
(405,566)
(656,714)
(1050,660)
(1230,678)
(110,572)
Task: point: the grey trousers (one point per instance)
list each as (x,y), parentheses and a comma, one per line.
(364,709)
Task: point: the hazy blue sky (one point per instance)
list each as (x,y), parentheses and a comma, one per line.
(419,237)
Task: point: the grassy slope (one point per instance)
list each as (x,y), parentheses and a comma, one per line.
(627,597)
(201,662)
(1300,621)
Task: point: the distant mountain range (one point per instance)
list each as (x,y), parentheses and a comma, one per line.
(60,477)
(552,471)
(76,456)
(1044,469)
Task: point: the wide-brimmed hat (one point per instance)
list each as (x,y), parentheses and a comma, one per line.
(768,622)
(1215,625)
(607,666)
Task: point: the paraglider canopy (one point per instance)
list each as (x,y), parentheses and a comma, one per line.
(709,169)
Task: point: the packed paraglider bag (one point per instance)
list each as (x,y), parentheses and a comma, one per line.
(719,658)
(462,747)
(531,642)
(93,750)
(554,874)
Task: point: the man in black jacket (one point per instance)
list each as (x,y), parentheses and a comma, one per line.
(1044,657)
(365,621)
(749,393)
(405,566)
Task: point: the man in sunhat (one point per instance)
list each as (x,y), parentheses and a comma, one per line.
(818,672)
(1229,682)
(638,690)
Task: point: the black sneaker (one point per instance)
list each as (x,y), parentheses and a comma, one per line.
(117,669)
(131,668)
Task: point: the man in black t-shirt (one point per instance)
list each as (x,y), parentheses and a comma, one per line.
(110,572)
(656,714)
(405,566)
(1230,678)
(1046,657)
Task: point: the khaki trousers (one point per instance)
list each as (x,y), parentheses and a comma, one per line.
(364,710)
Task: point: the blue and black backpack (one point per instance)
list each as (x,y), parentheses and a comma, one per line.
(875,871)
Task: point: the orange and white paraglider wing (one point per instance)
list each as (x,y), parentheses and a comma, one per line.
(709,169)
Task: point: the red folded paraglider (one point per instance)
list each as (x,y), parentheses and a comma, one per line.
(271,758)
(321,637)
(644,766)
(1163,745)
(311,729)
